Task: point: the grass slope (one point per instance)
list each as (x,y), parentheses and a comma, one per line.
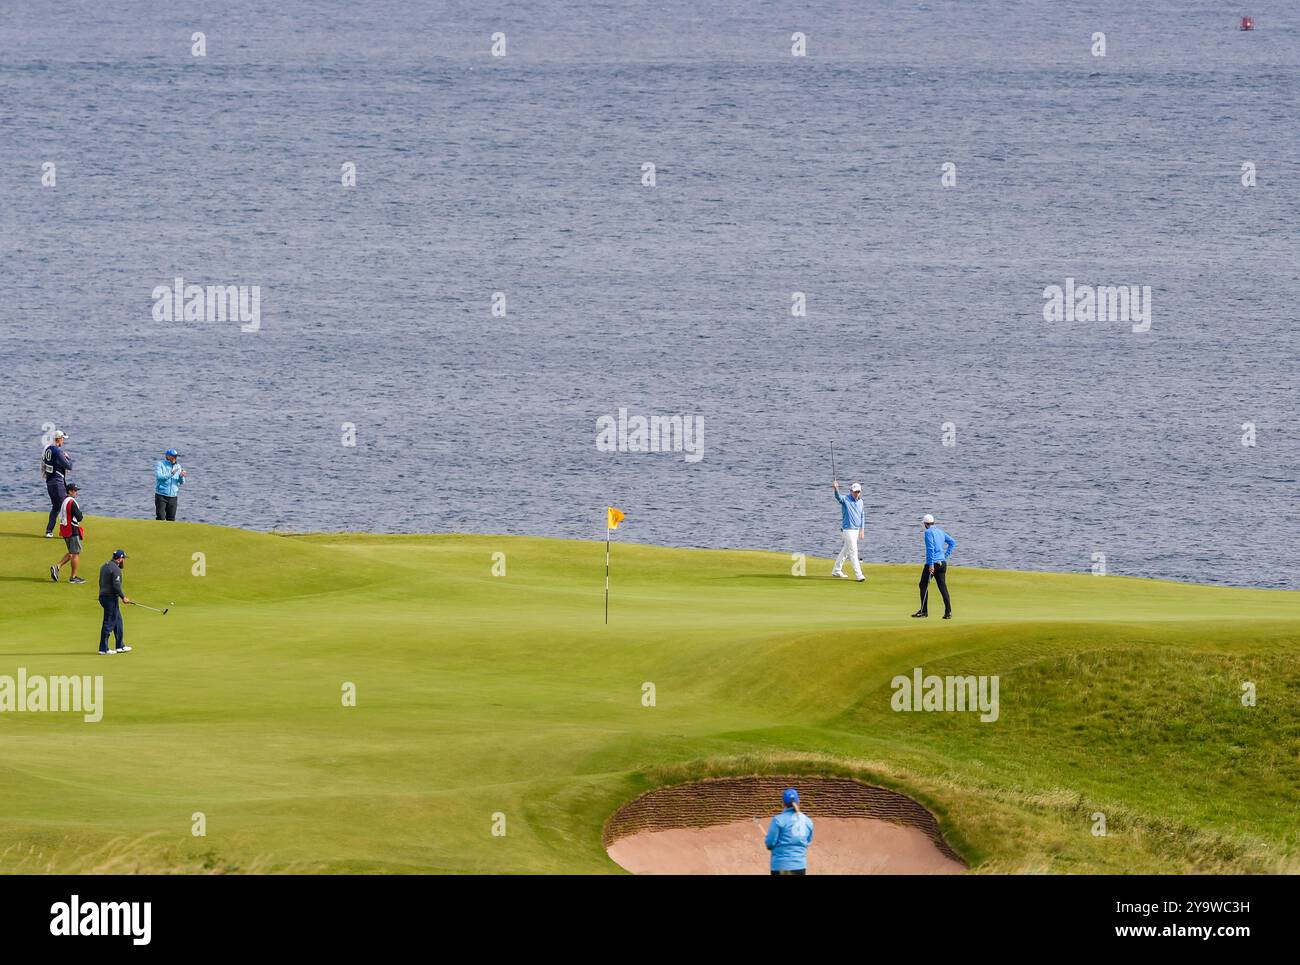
(480,695)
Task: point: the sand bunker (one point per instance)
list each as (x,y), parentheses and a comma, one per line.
(841,846)
(708,828)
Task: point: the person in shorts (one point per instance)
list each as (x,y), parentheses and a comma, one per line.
(70,528)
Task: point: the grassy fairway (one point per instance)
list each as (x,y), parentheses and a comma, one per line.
(480,694)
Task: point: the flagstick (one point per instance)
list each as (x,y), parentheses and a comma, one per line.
(606,572)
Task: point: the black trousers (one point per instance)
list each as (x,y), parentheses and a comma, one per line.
(112,621)
(58,493)
(164,507)
(940,578)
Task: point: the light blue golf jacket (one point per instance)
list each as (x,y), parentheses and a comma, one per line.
(788,837)
(850,511)
(168,478)
(938,546)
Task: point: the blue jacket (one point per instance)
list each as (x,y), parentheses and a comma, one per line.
(55,462)
(168,477)
(938,546)
(788,837)
(850,511)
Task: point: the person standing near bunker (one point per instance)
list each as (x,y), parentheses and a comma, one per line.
(788,837)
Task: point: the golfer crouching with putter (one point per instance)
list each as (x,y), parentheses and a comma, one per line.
(788,837)
(111,598)
(852,528)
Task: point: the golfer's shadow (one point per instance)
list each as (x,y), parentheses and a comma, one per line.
(777,576)
(51,653)
(26,579)
(755,576)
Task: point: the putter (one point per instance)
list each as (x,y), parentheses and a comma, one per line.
(163,611)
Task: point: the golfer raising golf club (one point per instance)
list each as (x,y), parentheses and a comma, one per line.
(111,599)
(788,837)
(938,547)
(852,528)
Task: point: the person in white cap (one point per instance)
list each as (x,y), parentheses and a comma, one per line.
(852,528)
(938,547)
(55,466)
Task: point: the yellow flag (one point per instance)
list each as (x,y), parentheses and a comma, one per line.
(613,517)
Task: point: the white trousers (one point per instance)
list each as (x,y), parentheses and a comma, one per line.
(849,552)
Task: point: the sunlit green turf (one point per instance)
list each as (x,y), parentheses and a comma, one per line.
(480,694)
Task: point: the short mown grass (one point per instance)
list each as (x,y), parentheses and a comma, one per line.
(482,696)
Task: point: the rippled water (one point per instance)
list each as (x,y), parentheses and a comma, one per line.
(774,174)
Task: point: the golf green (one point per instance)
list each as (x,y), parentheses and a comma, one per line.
(501,703)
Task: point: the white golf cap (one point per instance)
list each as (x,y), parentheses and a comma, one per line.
(927,518)
(855,488)
(60,434)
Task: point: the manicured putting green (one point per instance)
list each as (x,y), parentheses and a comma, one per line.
(488,703)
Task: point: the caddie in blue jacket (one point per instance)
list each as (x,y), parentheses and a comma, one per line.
(938,547)
(55,466)
(788,837)
(168,478)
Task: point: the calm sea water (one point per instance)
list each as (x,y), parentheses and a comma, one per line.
(775,174)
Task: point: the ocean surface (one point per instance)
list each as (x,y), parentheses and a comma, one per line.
(774,174)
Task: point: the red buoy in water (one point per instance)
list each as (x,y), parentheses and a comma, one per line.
(1247,23)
